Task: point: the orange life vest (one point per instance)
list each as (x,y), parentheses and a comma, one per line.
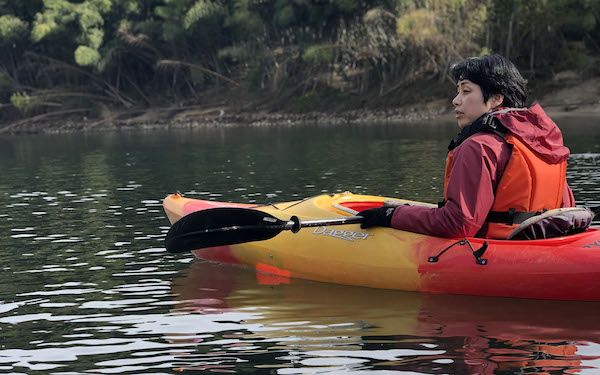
(528,186)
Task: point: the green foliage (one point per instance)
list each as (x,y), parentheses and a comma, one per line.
(193,14)
(574,19)
(172,31)
(483,51)
(43,27)
(130,6)
(5,82)
(476,20)
(147,26)
(103,6)
(198,77)
(546,36)
(318,55)
(90,23)
(163,12)
(306,101)
(56,15)
(234,53)
(417,26)
(282,45)
(444,21)
(23,102)
(254,76)
(582,61)
(85,18)
(24,10)
(285,16)
(200,11)
(346,6)
(317,99)
(86,56)
(12,28)
(248,23)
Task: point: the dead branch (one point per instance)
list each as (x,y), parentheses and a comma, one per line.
(165,63)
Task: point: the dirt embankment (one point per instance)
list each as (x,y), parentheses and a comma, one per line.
(582,98)
(574,98)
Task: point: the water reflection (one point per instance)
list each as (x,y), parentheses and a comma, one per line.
(304,326)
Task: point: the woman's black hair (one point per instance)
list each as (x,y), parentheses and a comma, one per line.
(495,74)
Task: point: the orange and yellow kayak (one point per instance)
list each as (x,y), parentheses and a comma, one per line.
(564,268)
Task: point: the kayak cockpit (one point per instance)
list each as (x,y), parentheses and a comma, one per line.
(560,222)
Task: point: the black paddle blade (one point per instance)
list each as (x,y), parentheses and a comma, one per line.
(221,227)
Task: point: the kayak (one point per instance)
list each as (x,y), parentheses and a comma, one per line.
(561,268)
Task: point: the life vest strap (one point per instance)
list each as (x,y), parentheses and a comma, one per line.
(511,216)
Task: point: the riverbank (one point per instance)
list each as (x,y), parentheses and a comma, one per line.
(219,115)
(581,100)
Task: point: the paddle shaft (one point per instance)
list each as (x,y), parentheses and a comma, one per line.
(232,225)
(292,223)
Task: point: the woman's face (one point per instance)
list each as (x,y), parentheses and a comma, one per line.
(468,102)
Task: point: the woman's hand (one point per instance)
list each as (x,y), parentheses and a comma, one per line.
(380,216)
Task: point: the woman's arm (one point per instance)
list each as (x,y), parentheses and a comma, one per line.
(470,192)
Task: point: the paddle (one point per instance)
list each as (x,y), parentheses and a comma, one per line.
(230,225)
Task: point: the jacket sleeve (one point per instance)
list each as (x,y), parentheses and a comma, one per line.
(470,192)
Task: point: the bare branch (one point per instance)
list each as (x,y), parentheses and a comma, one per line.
(166,63)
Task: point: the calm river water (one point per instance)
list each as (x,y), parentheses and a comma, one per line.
(87,287)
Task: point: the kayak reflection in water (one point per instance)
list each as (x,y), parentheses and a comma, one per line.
(508,163)
(282,318)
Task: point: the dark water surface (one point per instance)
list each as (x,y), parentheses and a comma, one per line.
(87,287)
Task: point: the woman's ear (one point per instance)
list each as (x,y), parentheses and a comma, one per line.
(496,100)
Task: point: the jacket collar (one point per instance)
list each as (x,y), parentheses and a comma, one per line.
(485,123)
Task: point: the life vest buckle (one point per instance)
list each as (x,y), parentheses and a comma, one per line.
(488,120)
(511,216)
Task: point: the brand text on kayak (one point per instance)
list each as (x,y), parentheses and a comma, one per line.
(347,235)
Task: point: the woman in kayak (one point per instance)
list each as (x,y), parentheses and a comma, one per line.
(507,164)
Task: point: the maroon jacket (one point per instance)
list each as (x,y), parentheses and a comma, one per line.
(478,165)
